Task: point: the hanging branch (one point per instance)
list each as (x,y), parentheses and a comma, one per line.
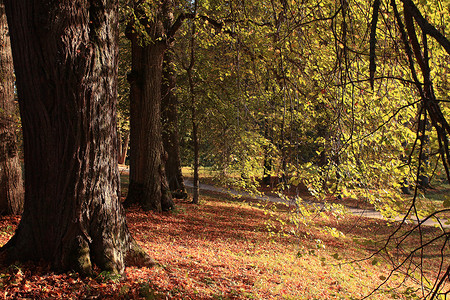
(408,50)
(373,40)
(411,31)
(418,55)
(426,26)
(428,98)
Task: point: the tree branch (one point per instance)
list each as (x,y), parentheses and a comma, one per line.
(409,23)
(426,26)
(215,23)
(373,40)
(177,24)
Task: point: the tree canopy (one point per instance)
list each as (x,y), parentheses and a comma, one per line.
(348,98)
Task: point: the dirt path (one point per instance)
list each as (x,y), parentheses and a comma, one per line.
(367,213)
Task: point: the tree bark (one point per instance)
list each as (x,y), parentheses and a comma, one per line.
(169,117)
(11,183)
(195,140)
(148,183)
(123,148)
(65,56)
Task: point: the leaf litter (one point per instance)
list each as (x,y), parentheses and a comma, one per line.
(218,250)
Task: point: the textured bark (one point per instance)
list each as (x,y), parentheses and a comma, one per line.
(169,117)
(11,183)
(148,183)
(65,55)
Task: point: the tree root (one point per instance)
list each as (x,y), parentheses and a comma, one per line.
(137,257)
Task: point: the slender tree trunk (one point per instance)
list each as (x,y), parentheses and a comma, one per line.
(169,117)
(267,168)
(123,148)
(424,129)
(148,183)
(11,183)
(196,191)
(65,56)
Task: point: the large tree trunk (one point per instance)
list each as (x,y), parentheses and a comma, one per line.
(169,117)
(11,183)
(148,183)
(65,56)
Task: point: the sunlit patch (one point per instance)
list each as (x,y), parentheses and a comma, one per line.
(220,249)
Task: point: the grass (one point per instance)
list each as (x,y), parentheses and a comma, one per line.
(228,249)
(206,174)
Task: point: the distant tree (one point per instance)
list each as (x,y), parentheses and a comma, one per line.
(170,136)
(65,55)
(123,101)
(195,136)
(148,35)
(11,183)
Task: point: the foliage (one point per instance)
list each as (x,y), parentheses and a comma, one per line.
(315,93)
(326,100)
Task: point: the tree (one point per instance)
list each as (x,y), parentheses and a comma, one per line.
(123,103)
(148,182)
(170,136)
(11,183)
(194,118)
(423,43)
(65,56)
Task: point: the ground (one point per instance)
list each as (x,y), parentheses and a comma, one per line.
(227,249)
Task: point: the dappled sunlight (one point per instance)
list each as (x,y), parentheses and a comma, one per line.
(224,249)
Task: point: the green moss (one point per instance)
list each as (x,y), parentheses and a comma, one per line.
(111,267)
(83,260)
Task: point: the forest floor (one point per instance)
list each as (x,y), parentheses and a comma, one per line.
(358,209)
(229,249)
(432,199)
